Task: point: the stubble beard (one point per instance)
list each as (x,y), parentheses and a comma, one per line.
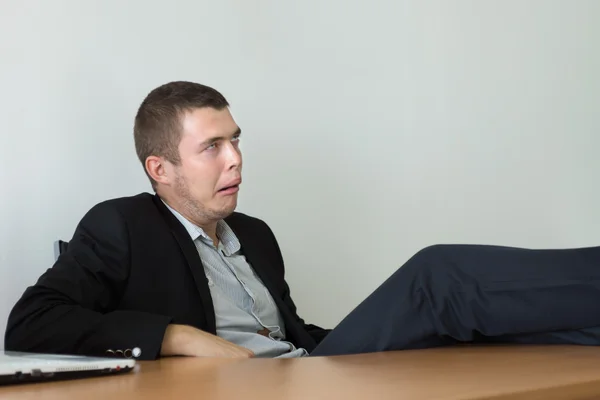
(198,212)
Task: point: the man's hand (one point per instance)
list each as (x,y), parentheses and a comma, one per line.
(183,340)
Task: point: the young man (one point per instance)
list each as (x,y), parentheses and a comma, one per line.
(181,273)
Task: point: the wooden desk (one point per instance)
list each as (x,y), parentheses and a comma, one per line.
(548,372)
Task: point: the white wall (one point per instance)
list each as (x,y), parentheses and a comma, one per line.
(371,128)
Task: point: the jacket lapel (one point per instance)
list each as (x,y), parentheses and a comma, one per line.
(259,262)
(251,249)
(193,260)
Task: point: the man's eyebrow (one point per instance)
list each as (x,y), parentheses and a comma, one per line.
(215,139)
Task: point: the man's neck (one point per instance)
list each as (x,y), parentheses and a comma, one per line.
(209,227)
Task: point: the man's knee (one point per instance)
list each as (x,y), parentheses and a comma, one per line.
(431,266)
(433,251)
(433,256)
(436,264)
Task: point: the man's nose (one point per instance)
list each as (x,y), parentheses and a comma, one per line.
(234,155)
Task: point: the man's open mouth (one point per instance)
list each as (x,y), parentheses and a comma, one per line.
(228,188)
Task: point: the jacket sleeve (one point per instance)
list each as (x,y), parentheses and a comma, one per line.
(72,308)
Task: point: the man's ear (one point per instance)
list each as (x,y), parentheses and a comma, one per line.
(157,169)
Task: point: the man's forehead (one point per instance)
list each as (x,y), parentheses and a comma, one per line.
(209,122)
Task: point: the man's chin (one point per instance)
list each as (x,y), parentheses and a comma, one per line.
(227,211)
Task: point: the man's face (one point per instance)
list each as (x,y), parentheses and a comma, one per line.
(207,180)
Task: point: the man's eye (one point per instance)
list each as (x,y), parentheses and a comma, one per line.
(212,146)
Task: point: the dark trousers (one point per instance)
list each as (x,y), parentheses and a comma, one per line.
(448,294)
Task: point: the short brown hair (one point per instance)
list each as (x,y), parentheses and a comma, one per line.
(157,127)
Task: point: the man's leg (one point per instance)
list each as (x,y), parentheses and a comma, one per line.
(469,293)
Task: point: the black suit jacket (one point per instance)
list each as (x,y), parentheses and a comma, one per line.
(131,269)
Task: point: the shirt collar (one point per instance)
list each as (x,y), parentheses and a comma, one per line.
(225,234)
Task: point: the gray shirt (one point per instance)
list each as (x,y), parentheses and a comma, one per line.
(243,305)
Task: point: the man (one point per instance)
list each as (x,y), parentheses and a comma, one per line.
(181,273)
(178,273)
